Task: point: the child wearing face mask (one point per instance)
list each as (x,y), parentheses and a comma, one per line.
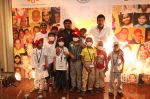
(75,63)
(117,64)
(88,55)
(101,66)
(61,66)
(49,44)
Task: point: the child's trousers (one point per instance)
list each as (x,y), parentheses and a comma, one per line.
(99,78)
(114,76)
(88,78)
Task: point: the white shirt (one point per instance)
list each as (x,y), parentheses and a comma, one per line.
(40,35)
(50,50)
(38,58)
(100,35)
(61,60)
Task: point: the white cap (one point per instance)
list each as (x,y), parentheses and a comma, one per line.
(115,43)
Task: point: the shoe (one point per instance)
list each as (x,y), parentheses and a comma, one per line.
(72,89)
(110,94)
(91,92)
(40,91)
(120,94)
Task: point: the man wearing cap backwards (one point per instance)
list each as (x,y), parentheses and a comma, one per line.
(43,33)
(117,64)
(49,44)
(137,37)
(75,63)
(100,32)
(67,33)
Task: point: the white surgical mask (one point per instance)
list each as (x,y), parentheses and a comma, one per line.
(89,44)
(100,47)
(75,39)
(51,38)
(61,43)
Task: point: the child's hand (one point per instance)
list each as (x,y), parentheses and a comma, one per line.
(66,53)
(57,51)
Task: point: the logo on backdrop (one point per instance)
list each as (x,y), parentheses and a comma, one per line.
(83,1)
(32,1)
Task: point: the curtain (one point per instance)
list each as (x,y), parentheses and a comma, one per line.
(6,36)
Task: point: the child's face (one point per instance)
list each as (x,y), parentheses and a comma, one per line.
(57,17)
(142,20)
(17,44)
(25,59)
(40,44)
(126,19)
(36,30)
(132,79)
(21,35)
(138,37)
(36,15)
(24,22)
(17,60)
(123,35)
(142,48)
(148,35)
(46,16)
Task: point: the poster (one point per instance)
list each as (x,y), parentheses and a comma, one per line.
(131,27)
(26,23)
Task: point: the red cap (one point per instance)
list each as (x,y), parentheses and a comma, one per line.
(76,31)
(75,35)
(137,31)
(60,39)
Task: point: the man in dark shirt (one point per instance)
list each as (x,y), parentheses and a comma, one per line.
(67,33)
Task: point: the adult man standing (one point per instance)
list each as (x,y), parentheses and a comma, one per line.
(67,33)
(100,32)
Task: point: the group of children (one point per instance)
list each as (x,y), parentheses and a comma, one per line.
(85,64)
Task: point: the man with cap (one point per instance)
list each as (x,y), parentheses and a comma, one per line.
(75,63)
(137,37)
(43,33)
(117,64)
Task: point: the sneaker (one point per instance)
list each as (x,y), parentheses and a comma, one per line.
(120,94)
(110,94)
(91,92)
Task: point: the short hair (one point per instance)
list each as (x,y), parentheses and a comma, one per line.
(67,20)
(100,16)
(51,33)
(54,28)
(36,27)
